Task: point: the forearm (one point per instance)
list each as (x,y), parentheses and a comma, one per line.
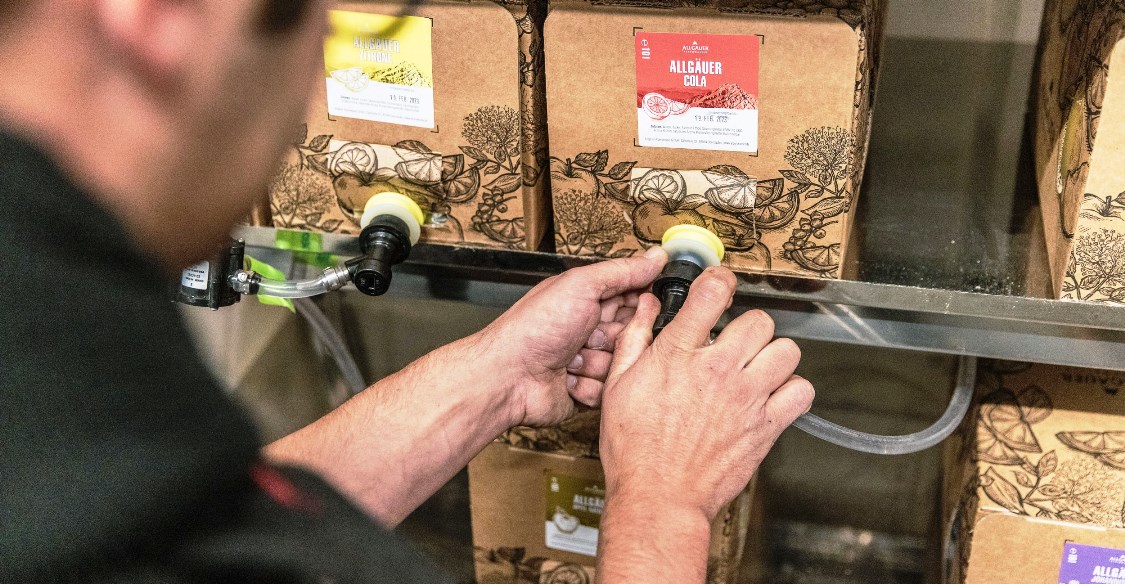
(651,540)
(393,445)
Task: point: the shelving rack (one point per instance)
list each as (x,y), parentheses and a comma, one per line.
(951,238)
(886,315)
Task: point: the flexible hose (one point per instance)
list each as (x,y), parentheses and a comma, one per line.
(291,288)
(331,279)
(332,340)
(877,444)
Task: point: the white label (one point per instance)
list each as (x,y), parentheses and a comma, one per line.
(701,129)
(583,540)
(382,102)
(196,276)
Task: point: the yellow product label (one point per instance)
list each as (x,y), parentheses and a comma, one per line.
(380,68)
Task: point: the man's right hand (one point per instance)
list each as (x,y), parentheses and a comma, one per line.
(685,423)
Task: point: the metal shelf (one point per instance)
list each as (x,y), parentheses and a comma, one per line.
(885,315)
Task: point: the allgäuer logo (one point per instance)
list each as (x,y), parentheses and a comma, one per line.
(696,48)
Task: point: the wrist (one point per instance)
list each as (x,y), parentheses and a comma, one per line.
(654,538)
(486,371)
(651,490)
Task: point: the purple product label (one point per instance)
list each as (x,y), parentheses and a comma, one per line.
(1088,564)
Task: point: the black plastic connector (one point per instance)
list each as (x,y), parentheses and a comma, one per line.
(671,287)
(385,242)
(207,284)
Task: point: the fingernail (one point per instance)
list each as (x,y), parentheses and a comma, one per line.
(576,363)
(597,340)
(571,381)
(654,252)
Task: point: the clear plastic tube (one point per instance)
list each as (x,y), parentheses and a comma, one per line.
(331,279)
(332,340)
(877,444)
(291,288)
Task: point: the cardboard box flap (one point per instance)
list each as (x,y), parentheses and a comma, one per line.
(1021,549)
(536,517)
(1079,100)
(764,145)
(854,12)
(1040,460)
(484,117)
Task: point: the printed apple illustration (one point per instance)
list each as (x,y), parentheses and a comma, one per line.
(664,202)
(566,176)
(566,522)
(353,191)
(652,218)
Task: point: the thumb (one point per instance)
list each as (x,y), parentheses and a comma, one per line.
(636,337)
(612,277)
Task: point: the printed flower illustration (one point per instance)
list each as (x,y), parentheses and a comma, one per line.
(823,161)
(494,130)
(587,222)
(300,197)
(1097,266)
(823,154)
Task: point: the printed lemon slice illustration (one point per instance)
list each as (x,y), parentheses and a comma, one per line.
(775,209)
(990,449)
(818,258)
(566,574)
(656,106)
(1114,460)
(677,107)
(1006,419)
(464,186)
(566,522)
(506,230)
(352,78)
(663,186)
(1094,442)
(353,158)
(424,170)
(452,165)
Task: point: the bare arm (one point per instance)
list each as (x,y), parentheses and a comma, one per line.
(685,423)
(399,441)
(393,445)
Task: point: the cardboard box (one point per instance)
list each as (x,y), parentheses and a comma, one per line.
(535,516)
(445,106)
(737,115)
(1035,478)
(1080,147)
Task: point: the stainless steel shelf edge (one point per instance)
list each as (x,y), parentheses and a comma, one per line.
(946,321)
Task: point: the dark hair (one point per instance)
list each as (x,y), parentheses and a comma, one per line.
(277,16)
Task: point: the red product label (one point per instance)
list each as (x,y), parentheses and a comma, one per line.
(697,91)
(701,70)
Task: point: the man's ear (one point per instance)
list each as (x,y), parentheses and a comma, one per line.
(156,37)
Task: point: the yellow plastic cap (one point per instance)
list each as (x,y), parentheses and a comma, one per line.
(396,205)
(402,201)
(697,234)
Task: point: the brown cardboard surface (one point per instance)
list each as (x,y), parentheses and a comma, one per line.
(1038,462)
(507,494)
(1016,549)
(1080,133)
(815,88)
(489,135)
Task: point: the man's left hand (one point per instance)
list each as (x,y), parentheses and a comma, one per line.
(553,348)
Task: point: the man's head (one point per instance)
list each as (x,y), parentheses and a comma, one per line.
(172,113)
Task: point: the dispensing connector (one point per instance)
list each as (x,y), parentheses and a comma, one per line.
(691,249)
(392,224)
